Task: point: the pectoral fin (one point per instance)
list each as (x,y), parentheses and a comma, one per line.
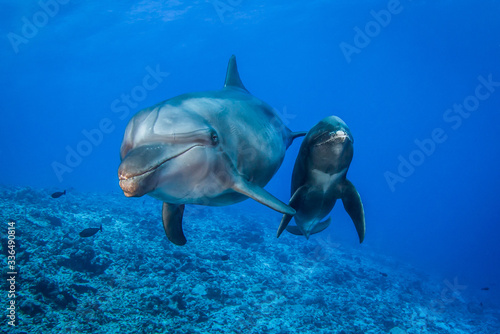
(172,223)
(354,207)
(244,187)
(283,225)
(294,203)
(260,195)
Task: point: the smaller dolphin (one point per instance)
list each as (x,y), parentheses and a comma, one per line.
(319,179)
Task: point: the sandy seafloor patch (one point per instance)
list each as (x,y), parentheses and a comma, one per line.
(233,276)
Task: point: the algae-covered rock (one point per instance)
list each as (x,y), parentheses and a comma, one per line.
(199,290)
(397,330)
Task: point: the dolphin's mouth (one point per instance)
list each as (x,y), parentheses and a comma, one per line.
(123,175)
(132,186)
(137,170)
(336,137)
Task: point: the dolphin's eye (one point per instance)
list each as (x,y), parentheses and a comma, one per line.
(215,138)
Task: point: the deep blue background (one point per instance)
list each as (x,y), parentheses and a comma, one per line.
(444,218)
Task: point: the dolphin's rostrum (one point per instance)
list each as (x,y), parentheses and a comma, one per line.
(209,148)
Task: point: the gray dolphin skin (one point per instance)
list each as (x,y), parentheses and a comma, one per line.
(210,148)
(319,179)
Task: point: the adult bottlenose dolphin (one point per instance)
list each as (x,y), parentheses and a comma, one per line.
(319,179)
(209,148)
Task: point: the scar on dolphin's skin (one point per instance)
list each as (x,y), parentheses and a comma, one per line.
(210,148)
(319,179)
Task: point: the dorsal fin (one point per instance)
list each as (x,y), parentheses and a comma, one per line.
(232,75)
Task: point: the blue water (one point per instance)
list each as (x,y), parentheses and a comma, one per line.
(395,71)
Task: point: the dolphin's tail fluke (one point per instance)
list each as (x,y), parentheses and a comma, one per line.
(321,226)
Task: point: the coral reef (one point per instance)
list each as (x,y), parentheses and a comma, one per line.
(233,276)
